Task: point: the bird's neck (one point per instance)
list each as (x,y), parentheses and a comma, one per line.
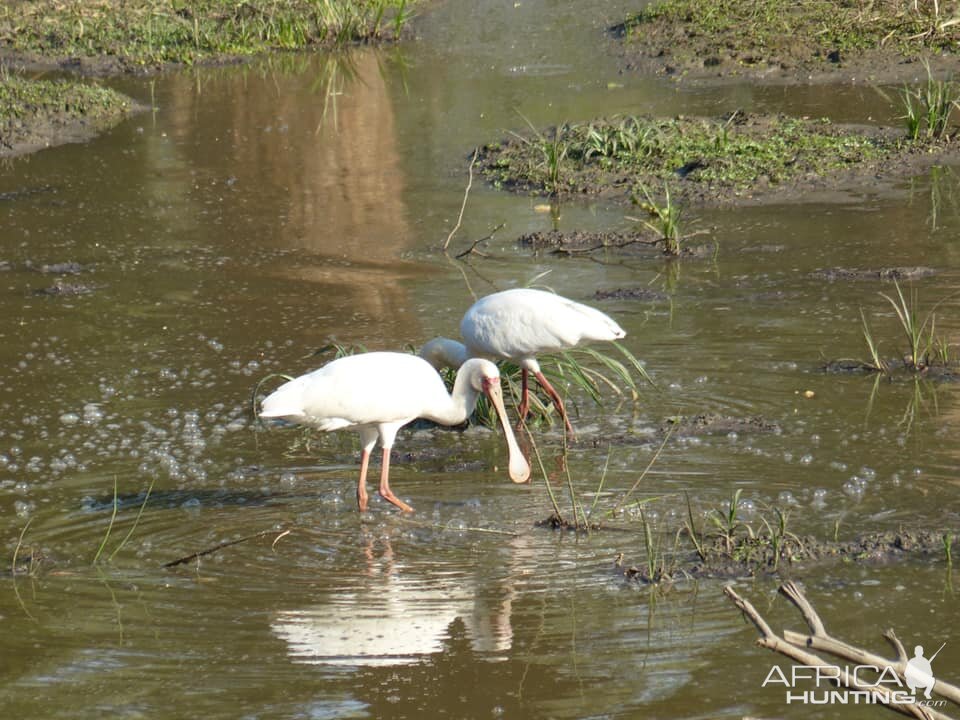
(461,403)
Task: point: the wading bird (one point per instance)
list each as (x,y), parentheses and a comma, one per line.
(377,393)
(518,325)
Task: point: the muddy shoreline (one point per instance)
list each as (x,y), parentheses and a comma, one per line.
(814,43)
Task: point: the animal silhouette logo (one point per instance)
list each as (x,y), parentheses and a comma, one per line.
(919,673)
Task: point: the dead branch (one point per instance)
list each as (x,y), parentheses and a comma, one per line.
(466,194)
(472,250)
(798,647)
(210,550)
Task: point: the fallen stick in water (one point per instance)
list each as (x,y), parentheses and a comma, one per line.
(799,647)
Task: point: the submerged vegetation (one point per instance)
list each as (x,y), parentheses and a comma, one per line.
(150,33)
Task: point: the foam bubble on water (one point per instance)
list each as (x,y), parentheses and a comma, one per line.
(853,489)
(806,459)
(236,425)
(69,418)
(787,498)
(92,414)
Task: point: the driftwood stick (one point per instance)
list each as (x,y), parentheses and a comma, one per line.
(792,592)
(901,651)
(472,250)
(797,646)
(210,550)
(466,194)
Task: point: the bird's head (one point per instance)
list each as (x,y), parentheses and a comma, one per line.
(443,352)
(485,378)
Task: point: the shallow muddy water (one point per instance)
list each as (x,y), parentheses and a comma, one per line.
(260,212)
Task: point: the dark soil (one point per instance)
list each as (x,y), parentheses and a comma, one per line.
(708,424)
(36,114)
(642,294)
(893,273)
(62,288)
(584,242)
(848,47)
(897,369)
(752,556)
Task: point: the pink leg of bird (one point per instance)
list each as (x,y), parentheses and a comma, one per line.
(385,492)
(362,485)
(556,401)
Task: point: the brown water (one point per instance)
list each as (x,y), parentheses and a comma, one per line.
(259,212)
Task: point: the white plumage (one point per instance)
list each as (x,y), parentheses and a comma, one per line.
(377,393)
(518,325)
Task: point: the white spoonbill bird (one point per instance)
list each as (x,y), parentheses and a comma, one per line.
(377,393)
(518,325)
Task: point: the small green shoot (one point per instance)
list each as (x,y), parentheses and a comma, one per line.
(623,499)
(113,517)
(666,219)
(726,522)
(919,341)
(876,362)
(929,107)
(696,536)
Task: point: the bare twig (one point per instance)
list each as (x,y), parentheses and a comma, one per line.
(472,249)
(653,460)
(466,194)
(221,546)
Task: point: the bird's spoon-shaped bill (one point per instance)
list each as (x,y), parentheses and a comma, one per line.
(519,468)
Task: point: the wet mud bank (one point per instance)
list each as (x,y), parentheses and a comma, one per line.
(766,554)
(787,42)
(734,159)
(37,114)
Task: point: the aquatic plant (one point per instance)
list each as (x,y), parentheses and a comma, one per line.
(613,138)
(113,517)
(919,338)
(929,106)
(721,157)
(693,532)
(725,521)
(552,152)
(585,369)
(876,362)
(661,566)
(924,347)
(667,219)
